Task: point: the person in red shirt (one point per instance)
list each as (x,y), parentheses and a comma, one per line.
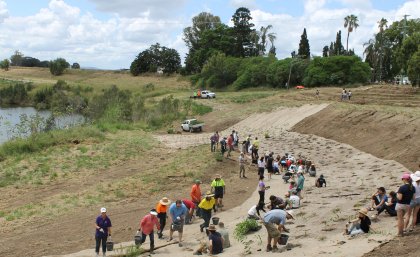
(190,206)
(146,228)
(196,195)
(230,145)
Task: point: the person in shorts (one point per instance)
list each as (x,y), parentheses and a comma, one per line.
(177,214)
(415,203)
(405,194)
(274,221)
(219,189)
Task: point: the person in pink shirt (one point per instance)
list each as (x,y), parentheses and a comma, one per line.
(230,145)
(146,228)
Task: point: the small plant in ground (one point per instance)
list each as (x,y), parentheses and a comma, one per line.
(218,156)
(171,130)
(266,135)
(245,227)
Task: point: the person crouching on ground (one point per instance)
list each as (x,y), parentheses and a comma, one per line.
(360,225)
(206,205)
(254,212)
(321,182)
(276,203)
(274,221)
(214,243)
(177,213)
(378,200)
(389,206)
(103,230)
(147,224)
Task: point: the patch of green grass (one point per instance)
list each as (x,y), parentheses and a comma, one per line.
(82,149)
(200,109)
(249,97)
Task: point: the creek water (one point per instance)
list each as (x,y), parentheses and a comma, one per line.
(11,118)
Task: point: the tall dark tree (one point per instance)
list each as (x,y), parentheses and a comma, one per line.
(325,51)
(304,49)
(243,28)
(338,46)
(202,22)
(331,50)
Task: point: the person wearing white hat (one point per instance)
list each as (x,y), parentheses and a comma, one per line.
(146,227)
(103,230)
(415,203)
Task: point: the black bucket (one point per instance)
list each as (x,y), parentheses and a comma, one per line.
(215,220)
(283,239)
(137,239)
(109,246)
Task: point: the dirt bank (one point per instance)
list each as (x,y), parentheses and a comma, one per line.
(383,133)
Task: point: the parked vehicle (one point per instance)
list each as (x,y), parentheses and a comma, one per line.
(192,125)
(207,94)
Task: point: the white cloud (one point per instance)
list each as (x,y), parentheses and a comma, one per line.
(313,5)
(141,8)
(4,13)
(250,4)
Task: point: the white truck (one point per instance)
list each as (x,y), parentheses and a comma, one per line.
(192,125)
(207,94)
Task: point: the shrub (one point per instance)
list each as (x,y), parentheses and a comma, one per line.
(58,66)
(244,228)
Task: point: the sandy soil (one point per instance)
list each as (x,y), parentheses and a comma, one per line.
(352,177)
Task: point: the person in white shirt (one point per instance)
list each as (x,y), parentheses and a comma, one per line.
(293,201)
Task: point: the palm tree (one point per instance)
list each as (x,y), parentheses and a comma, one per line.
(350,22)
(264,35)
(381,25)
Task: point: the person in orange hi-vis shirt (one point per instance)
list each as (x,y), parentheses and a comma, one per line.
(161,209)
(196,195)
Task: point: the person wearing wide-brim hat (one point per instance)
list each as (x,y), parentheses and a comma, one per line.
(146,227)
(206,205)
(214,243)
(161,209)
(360,225)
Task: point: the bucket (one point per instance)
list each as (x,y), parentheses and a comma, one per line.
(137,239)
(283,239)
(110,245)
(215,220)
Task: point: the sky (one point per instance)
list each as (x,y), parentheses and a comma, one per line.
(110,34)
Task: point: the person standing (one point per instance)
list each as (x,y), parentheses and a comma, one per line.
(196,195)
(213,140)
(255,147)
(177,213)
(206,205)
(147,224)
(217,139)
(242,162)
(230,145)
(274,221)
(269,165)
(300,182)
(103,230)
(223,146)
(219,189)
(247,143)
(235,138)
(415,204)
(261,189)
(161,209)
(349,95)
(261,166)
(405,194)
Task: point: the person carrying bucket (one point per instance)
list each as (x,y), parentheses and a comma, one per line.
(146,228)
(103,230)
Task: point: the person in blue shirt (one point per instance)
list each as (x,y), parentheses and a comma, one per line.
(379,200)
(177,214)
(103,230)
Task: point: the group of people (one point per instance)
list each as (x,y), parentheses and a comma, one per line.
(345,95)
(227,144)
(405,204)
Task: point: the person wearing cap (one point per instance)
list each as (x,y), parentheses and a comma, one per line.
(103,230)
(360,225)
(161,209)
(177,214)
(195,195)
(146,226)
(274,222)
(300,181)
(320,182)
(242,161)
(206,205)
(218,187)
(378,200)
(415,203)
(405,194)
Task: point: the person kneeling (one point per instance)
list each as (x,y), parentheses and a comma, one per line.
(360,225)
(214,243)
